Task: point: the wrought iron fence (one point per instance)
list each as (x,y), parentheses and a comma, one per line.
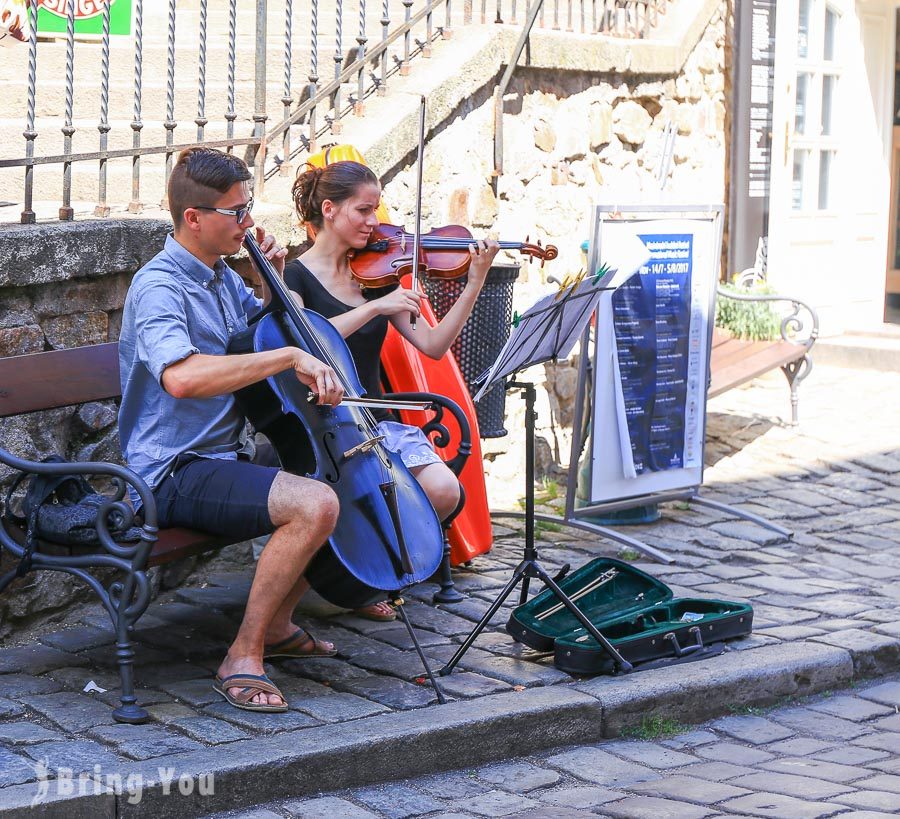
(370,42)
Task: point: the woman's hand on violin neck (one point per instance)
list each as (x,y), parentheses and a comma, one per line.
(482,252)
(399,301)
(319,377)
(274,252)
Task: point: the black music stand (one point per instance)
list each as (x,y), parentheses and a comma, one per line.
(546,332)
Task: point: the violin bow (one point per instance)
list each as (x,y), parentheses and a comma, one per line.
(417,234)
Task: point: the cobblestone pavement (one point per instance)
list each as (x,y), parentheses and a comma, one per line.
(836,755)
(835,481)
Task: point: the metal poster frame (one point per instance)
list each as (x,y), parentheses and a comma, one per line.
(584,402)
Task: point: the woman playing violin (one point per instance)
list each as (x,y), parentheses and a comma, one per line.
(340,201)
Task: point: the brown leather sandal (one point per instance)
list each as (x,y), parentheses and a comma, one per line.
(250,685)
(296,647)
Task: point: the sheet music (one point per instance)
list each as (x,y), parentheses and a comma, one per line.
(550,328)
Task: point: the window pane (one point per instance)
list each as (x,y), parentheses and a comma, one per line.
(829,82)
(831,22)
(803,29)
(825,161)
(797,186)
(800,102)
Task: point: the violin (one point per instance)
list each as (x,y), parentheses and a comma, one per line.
(443,254)
(387,534)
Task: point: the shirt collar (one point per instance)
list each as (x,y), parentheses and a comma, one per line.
(191,265)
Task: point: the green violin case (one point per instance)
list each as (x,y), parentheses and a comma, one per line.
(634,611)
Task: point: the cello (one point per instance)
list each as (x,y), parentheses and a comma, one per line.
(388,535)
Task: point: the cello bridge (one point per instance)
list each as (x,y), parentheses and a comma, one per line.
(365,446)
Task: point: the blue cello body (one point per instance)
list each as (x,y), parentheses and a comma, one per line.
(388,535)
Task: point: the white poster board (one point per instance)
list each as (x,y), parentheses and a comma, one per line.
(651,355)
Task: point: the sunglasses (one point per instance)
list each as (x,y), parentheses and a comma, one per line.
(239,214)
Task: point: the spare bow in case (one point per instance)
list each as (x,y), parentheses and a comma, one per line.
(633,610)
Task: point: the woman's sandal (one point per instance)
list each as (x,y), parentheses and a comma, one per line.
(250,685)
(293,647)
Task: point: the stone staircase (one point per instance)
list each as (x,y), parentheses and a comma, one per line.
(458,68)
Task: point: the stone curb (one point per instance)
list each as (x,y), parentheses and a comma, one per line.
(461,734)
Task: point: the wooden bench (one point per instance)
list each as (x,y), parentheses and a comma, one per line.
(734,361)
(67,378)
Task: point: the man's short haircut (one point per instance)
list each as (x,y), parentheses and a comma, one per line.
(200,177)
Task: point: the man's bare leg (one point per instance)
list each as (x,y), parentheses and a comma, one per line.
(304,512)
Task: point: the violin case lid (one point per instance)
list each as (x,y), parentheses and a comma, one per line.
(635,611)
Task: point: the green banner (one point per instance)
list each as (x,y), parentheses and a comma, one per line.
(53,15)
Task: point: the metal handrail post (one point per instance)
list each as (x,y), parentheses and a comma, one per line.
(170,124)
(201,119)
(136,125)
(359,106)
(28,216)
(287,98)
(230,114)
(66,212)
(102,209)
(259,113)
(338,62)
(314,75)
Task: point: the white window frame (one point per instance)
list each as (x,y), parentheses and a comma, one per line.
(813,142)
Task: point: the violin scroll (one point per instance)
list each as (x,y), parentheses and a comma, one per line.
(546,253)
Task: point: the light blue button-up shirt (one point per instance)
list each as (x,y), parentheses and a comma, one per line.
(177,306)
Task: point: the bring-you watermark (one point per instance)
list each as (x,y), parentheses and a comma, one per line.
(170,781)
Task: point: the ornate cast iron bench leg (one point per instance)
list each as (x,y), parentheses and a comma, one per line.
(795,372)
(126,598)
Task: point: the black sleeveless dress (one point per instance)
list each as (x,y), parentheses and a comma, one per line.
(365,344)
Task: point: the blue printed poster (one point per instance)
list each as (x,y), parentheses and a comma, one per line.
(652,329)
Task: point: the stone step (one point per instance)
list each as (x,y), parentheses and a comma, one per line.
(877,349)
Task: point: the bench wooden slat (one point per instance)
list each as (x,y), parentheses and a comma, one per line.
(751,364)
(60,378)
(720,337)
(41,381)
(174,544)
(738,349)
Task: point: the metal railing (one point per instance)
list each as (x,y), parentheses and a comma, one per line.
(310,108)
(617,18)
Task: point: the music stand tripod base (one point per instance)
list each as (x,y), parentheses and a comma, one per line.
(530,566)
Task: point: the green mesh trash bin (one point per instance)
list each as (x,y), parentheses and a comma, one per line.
(483,336)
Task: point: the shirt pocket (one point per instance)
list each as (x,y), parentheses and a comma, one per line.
(209,330)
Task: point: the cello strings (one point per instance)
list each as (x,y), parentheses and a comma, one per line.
(277,284)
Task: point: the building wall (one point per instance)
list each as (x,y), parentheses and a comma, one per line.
(835,258)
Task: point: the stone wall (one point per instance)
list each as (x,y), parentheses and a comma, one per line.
(63,285)
(571,140)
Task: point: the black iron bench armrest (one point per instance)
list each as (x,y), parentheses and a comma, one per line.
(802,330)
(441,404)
(126,598)
(127,556)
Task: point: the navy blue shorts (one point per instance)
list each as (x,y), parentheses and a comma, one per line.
(223,497)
